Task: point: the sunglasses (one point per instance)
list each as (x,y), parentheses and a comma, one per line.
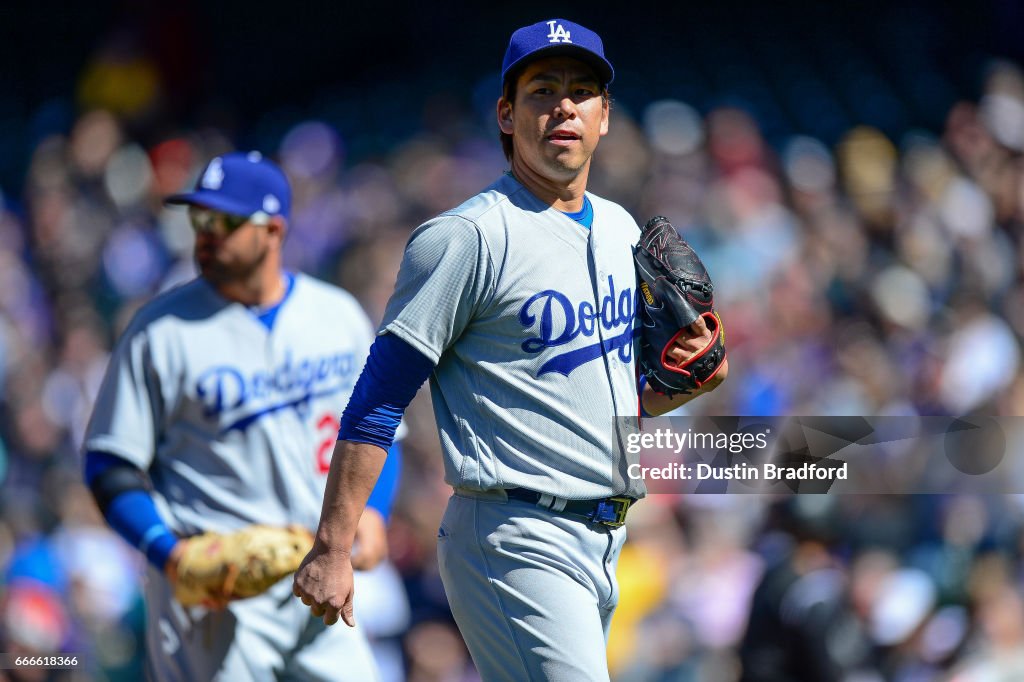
(218,222)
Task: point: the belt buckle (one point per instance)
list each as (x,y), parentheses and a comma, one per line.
(612,512)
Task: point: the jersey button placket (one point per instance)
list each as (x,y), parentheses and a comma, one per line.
(601,291)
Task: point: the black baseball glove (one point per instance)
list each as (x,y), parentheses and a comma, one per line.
(675,290)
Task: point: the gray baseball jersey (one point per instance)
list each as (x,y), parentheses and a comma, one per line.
(235,424)
(530,320)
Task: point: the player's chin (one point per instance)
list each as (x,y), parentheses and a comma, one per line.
(204,254)
(566,165)
(572,158)
(210,268)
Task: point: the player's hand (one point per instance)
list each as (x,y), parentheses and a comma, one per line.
(324,584)
(694,339)
(211,601)
(371,545)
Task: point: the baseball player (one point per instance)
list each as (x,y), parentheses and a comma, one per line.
(213,431)
(519,305)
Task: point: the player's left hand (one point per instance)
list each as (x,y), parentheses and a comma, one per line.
(697,337)
(211,601)
(324,584)
(682,340)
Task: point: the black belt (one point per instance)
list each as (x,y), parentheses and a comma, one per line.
(609,511)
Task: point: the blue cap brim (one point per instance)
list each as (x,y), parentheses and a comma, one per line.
(602,67)
(212,200)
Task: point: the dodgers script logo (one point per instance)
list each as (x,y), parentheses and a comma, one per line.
(561,321)
(291,385)
(558,35)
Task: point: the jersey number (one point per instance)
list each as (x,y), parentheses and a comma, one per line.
(328,425)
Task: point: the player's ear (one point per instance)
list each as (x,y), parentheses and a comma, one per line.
(605,112)
(505,116)
(277,227)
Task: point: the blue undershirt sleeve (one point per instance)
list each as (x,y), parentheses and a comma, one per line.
(383,495)
(641,385)
(134,516)
(389,381)
(133,513)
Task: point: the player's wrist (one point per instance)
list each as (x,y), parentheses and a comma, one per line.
(171,566)
(158,551)
(335,540)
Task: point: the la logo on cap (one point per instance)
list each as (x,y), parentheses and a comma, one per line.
(214,175)
(558,35)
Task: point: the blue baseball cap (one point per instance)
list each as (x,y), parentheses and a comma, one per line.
(557,37)
(240,184)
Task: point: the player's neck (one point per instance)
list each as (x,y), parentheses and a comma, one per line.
(561,195)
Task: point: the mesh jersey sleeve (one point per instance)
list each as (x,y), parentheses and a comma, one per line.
(129,407)
(446,277)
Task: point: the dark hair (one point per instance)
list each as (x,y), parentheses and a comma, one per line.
(508,93)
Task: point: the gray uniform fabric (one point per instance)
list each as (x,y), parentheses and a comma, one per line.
(235,424)
(529,317)
(269,637)
(533,592)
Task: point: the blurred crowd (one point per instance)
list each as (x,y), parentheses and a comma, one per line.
(873,276)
